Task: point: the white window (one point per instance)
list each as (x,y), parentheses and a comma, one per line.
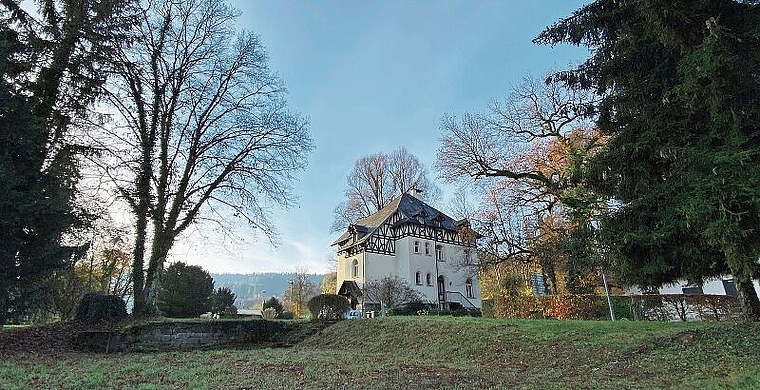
(429,279)
(416,247)
(418,278)
(427,248)
(438,253)
(355,269)
(468,288)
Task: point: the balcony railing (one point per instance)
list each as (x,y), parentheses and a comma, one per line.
(458,297)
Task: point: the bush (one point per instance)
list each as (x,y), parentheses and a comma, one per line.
(185,291)
(328,306)
(286,315)
(223,301)
(626,309)
(412,308)
(269,313)
(653,307)
(274,304)
(98,307)
(489,308)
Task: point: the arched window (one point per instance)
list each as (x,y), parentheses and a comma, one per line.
(418,277)
(468,288)
(416,247)
(429,279)
(355,269)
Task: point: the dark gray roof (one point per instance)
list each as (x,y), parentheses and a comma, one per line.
(416,211)
(411,209)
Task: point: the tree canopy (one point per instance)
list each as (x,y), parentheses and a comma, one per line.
(680,101)
(300,291)
(202,131)
(52,66)
(376,180)
(186,291)
(223,301)
(525,159)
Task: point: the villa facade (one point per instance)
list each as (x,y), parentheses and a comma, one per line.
(410,239)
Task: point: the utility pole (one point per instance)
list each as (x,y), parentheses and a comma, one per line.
(609,300)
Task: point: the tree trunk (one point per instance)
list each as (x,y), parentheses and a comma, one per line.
(748,298)
(162,243)
(141,209)
(138,276)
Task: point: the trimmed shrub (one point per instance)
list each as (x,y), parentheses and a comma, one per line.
(328,307)
(652,307)
(286,315)
(99,307)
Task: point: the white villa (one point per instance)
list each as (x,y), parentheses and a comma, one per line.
(408,238)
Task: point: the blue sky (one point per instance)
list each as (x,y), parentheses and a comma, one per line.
(372,76)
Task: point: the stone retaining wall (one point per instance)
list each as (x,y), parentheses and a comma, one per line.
(194,335)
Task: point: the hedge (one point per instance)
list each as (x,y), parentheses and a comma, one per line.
(654,307)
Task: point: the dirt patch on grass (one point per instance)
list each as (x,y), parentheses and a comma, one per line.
(284,368)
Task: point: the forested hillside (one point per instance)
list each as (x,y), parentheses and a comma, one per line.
(252,289)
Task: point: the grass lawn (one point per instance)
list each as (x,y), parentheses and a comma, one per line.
(431,352)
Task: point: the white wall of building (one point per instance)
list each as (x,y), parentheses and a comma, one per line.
(345,269)
(709,287)
(406,263)
(379,266)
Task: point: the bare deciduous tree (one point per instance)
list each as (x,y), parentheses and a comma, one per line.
(493,144)
(532,146)
(202,130)
(300,291)
(376,180)
(391,291)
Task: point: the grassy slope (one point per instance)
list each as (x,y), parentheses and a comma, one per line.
(431,352)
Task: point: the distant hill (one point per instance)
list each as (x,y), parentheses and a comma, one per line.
(253,289)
